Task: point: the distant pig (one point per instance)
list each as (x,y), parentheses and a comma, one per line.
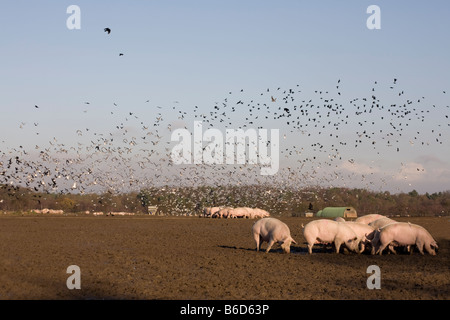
(272,230)
(328,231)
(368,218)
(406,234)
(380,223)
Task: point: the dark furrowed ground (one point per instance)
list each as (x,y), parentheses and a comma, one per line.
(142,257)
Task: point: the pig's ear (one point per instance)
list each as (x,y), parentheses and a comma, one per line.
(293,241)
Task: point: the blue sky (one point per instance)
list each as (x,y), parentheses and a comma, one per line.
(181,54)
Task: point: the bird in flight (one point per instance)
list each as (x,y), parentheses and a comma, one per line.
(120,54)
(108,30)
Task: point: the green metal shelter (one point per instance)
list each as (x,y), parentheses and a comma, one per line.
(333,212)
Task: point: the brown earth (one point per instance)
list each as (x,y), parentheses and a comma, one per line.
(145,257)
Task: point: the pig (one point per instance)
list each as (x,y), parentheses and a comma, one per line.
(407,234)
(258,213)
(375,241)
(240,212)
(250,212)
(223,213)
(368,218)
(329,231)
(207,212)
(272,230)
(210,211)
(364,232)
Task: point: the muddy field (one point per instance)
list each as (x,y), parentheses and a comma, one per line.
(191,258)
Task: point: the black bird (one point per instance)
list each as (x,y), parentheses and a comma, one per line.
(108,30)
(120,54)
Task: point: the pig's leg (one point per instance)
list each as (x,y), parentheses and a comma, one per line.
(257,238)
(410,249)
(362,247)
(420,247)
(391,248)
(269,246)
(310,242)
(310,245)
(373,250)
(337,244)
(375,244)
(381,248)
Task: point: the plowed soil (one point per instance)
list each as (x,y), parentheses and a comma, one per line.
(172,258)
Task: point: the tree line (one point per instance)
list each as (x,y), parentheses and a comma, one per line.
(191,200)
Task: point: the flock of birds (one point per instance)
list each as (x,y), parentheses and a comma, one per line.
(319,132)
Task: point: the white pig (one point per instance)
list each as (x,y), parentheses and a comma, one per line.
(406,234)
(375,241)
(328,231)
(240,212)
(259,213)
(210,211)
(272,230)
(223,213)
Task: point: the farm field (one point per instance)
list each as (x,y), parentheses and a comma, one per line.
(192,258)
